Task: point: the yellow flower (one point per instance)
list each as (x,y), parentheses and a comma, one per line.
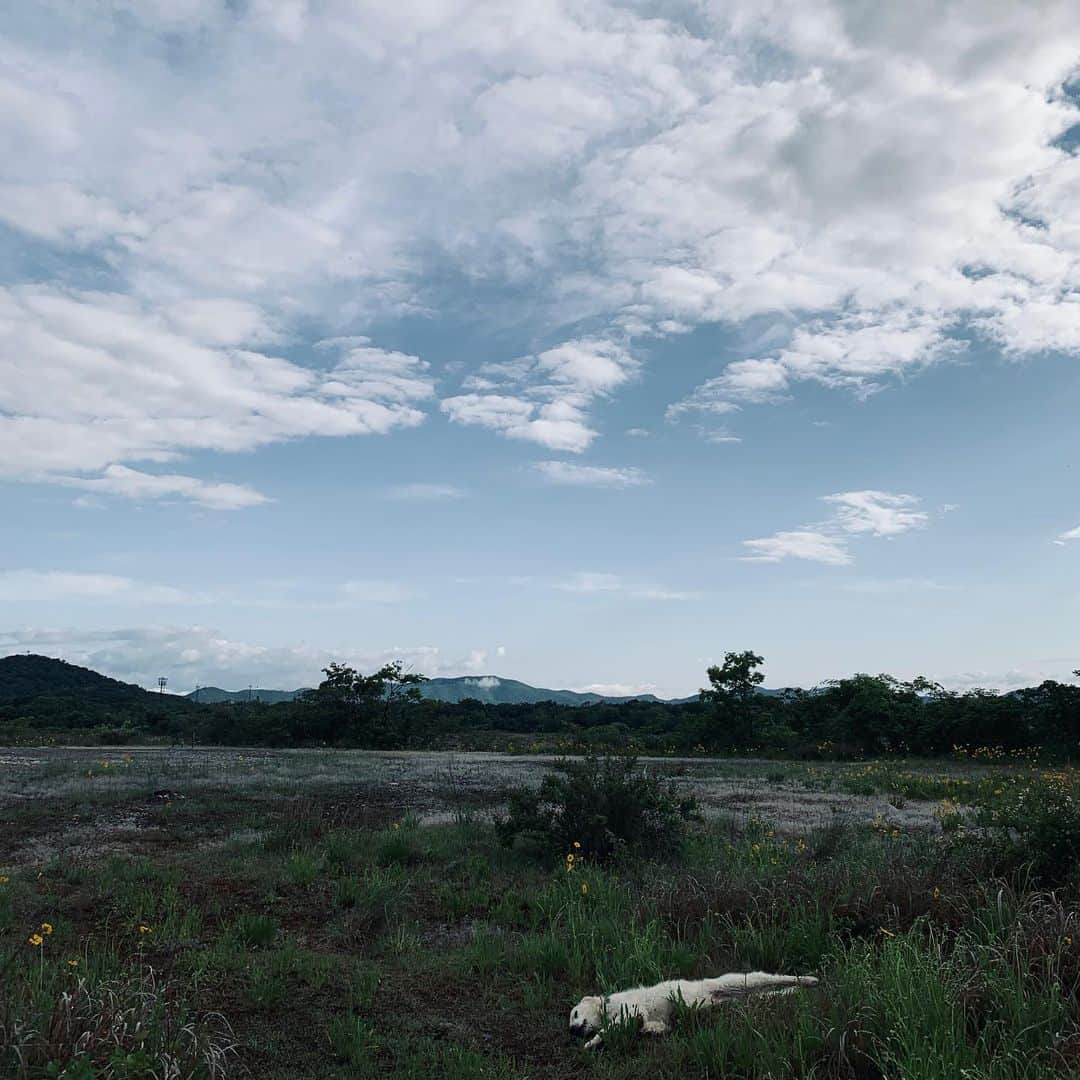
(584,889)
(46,928)
(145,930)
(73,963)
(577,843)
(4,879)
(937,893)
(35,939)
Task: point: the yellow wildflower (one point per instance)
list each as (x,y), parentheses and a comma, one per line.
(577,843)
(584,889)
(46,928)
(4,879)
(73,963)
(145,930)
(35,939)
(937,893)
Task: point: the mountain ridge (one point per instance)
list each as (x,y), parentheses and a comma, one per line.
(490,689)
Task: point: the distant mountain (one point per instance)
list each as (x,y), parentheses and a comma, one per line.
(214,695)
(496,691)
(487,688)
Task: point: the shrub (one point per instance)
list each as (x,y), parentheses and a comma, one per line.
(1042,819)
(601,806)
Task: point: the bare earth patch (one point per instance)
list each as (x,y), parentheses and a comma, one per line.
(90,802)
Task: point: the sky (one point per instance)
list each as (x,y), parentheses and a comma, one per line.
(572,342)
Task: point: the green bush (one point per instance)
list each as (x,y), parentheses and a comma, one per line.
(599,807)
(1042,820)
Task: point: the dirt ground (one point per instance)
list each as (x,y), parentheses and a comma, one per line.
(94,801)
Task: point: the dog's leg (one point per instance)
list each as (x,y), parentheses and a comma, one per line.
(655,1027)
(595,1042)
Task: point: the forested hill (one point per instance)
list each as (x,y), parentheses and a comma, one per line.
(38,693)
(25,676)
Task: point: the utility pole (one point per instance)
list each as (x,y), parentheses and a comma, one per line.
(161,683)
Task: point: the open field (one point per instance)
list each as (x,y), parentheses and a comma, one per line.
(348,913)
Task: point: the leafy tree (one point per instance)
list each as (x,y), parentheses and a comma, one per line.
(400,690)
(366,710)
(734,697)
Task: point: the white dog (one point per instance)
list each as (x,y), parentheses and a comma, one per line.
(652,1006)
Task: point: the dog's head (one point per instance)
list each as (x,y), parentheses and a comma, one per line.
(587,1016)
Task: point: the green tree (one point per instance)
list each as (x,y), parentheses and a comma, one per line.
(733,694)
(400,695)
(367,710)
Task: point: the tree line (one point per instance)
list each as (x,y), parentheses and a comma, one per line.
(863,715)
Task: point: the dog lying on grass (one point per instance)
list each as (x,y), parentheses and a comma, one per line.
(652,1006)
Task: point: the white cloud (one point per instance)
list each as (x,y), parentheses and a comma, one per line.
(132,484)
(544,399)
(753,381)
(870,513)
(61,212)
(719,436)
(880,188)
(638,433)
(1072,534)
(858,352)
(876,512)
(558,426)
(800,544)
(589,366)
(91,381)
(573,475)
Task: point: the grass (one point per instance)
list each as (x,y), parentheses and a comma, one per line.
(283,932)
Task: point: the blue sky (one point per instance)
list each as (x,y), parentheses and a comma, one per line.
(576,344)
